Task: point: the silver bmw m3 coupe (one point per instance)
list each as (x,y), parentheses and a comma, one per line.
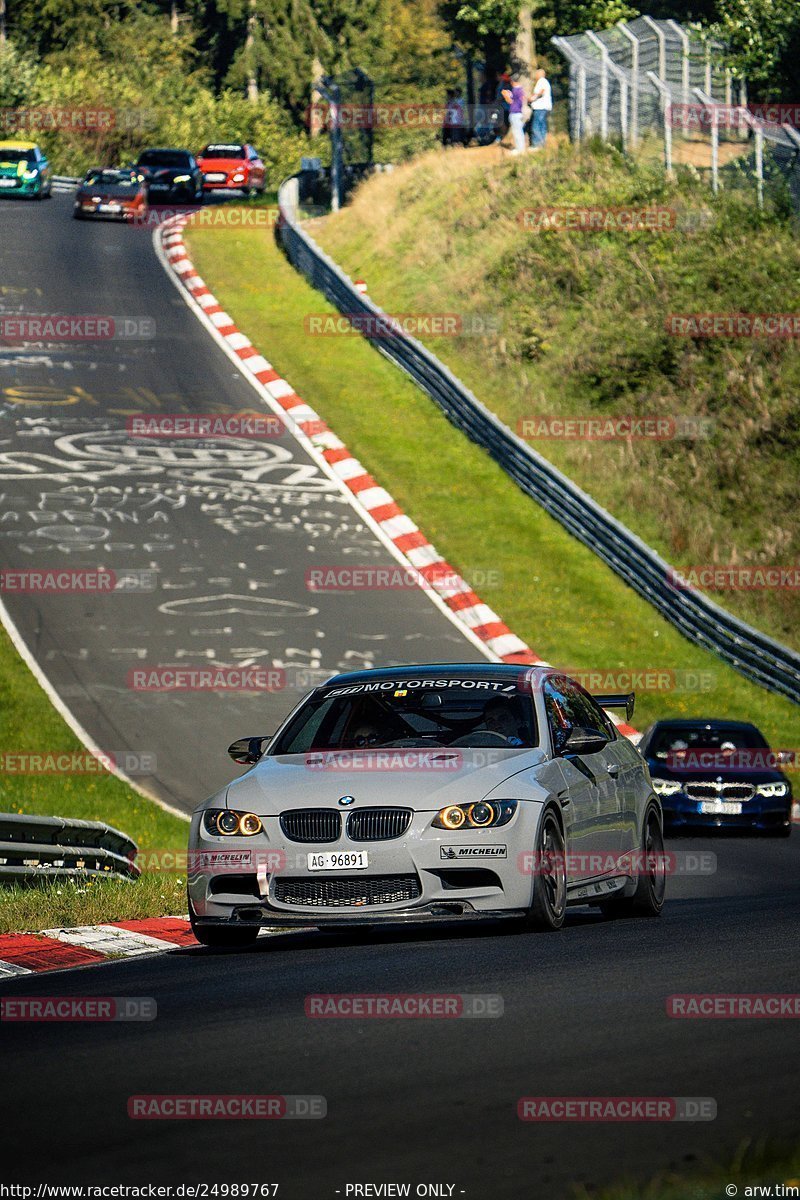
(446,792)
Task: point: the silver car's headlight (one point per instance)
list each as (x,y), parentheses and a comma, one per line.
(772,790)
(482,815)
(666,787)
(226,822)
(182,179)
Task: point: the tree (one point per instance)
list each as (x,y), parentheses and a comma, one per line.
(763,37)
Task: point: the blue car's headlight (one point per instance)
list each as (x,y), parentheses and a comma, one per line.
(666,787)
(772,791)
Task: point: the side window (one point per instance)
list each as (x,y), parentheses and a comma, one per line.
(562,714)
(568,705)
(596,718)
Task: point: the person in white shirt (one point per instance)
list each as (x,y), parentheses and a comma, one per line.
(541,106)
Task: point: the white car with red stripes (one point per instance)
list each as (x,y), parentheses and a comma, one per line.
(445,792)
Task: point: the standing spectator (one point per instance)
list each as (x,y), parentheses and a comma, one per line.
(503,86)
(541,105)
(516,102)
(455,131)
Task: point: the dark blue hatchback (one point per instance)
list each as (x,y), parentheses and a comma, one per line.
(718,774)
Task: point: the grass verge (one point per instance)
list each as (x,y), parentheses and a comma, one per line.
(550,589)
(28,722)
(754,1167)
(583,334)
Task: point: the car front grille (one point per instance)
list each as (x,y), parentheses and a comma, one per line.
(378,824)
(347,892)
(312,825)
(713,790)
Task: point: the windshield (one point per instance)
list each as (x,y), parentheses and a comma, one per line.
(17,156)
(164,158)
(412,712)
(122,181)
(223,152)
(675,742)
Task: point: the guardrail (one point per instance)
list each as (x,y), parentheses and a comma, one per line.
(33,848)
(751,652)
(64,183)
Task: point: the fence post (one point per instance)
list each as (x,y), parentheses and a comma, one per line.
(662,50)
(759,163)
(666,109)
(684,40)
(711,106)
(595,40)
(634,41)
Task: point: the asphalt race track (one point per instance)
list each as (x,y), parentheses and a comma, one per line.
(408,1101)
(427,1100)
(219,539)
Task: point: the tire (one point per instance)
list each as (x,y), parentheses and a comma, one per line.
(648,899)
(222,937)
(549,904)
(782,831)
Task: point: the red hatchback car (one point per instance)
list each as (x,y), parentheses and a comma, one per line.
(231,167)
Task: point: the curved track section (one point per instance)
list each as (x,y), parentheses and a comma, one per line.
(215,540)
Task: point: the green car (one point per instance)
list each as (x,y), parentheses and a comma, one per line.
(24,171)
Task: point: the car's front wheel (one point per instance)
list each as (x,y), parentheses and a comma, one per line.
(549,904)
(222,937)
(651,886)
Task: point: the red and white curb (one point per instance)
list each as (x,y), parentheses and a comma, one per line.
(85,945)
(409,544)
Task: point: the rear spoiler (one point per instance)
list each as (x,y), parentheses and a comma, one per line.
(624,700)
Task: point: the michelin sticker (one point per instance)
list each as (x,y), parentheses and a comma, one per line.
(450,852)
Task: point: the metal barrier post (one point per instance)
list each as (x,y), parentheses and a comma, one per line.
(634,41)
(666,109)
(595,40)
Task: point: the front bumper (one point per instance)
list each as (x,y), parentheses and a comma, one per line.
(758,815)
(92,212)
(446,886)
(448,912)
(20,187)
(225,185)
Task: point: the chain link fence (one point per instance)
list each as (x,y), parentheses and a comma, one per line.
(658,87)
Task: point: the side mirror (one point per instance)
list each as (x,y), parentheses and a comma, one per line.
(248,750)
(583,741)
